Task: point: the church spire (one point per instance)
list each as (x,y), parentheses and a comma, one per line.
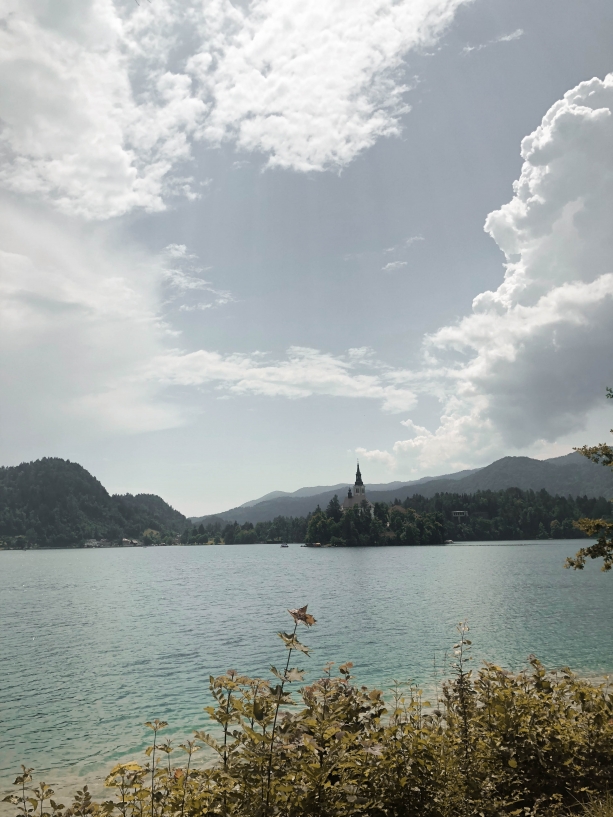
(358,476)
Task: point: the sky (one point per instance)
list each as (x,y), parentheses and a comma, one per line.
(244,244)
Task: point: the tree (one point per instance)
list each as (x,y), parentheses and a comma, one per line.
(381,513)
(600,528)
(334,510)
(319,529)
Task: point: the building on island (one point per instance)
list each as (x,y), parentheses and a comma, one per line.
(356,497)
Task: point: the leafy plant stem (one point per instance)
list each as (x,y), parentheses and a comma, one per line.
(189,760)
(153,772)
(274,723)
(23,795)
(225,732)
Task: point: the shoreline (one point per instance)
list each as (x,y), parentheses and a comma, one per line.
(522,541)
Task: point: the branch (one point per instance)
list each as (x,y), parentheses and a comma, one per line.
(602,549)
(600,454)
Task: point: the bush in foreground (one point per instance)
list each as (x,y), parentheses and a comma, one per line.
(494,743)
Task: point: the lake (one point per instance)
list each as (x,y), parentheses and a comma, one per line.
(95,642)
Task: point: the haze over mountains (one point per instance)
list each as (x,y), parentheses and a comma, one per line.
(571,474)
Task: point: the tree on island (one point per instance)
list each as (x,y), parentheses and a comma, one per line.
(334,510)
(602,529)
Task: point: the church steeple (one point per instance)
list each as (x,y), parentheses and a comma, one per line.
(356,498)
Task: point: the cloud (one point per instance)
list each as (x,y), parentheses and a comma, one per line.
(361,353)
(533,358)
(376,456)
(221,299)
(514,35)
(391,266)
(101,102)
(100,105)
(85,349)
(183,277)
(311,85)
(78,317)
(504,38)
(93,119)
(407,243)
(304,373)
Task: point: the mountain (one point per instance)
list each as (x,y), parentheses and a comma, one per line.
(342,486)
(314,491)
(57,503)
(571,474)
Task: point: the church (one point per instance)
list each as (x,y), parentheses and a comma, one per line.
(358,495)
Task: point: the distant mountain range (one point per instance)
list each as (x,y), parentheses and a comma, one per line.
(572,475)
(342,486)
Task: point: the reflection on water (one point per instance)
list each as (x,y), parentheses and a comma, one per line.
(94,642)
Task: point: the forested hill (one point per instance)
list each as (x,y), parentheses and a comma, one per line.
(57,503)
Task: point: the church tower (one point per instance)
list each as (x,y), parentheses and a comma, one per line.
(358,488)
(358,495)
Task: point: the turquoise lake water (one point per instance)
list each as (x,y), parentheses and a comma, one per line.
(95,642)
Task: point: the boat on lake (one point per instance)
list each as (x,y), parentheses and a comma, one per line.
(284,545)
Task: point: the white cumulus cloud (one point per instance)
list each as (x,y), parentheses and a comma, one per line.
(534,356)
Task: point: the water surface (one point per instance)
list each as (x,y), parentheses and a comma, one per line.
(95,642)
